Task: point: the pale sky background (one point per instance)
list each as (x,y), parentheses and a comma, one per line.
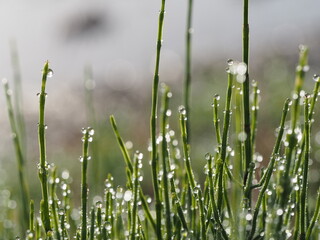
(124,33)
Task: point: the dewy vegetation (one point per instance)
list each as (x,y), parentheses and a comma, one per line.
(241,197)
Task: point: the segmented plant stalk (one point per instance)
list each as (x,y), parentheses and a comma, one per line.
(268,173)
(130,170)
(89,86)
(54,205)
(314,218)
(19,156)
(87,137)
(187,80)
(314,98)
(255,109)
(153,123)
(31,219)
(18,96)
(43,172)
(292,137)
(166,168)
(246,105)
(183,127)
(215,212)
(92,226)
(224,144)
(303,199)
(136,161)
(216,120)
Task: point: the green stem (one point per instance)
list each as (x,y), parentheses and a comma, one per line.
(54,205)
(137,161)
(226,125)
(43,173)
(166,170)
(188,65)
(255,109)
(19,156)
(311,113)
(246,106)
(87,137)
(130,170)
(303,197)
(270,168)
(314,218)
(186,147)
(216,119)
(153,125)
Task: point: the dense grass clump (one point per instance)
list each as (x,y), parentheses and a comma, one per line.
(241,197)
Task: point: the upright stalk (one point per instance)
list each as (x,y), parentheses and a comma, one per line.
(87,137)
(246,105)
(19,155)
(269,171)
(303,199)
(187,82)
(226,125)
(165,166)
(18,97)
(153,125)
(43,172)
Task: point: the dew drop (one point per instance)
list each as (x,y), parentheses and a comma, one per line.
(91,131)
(306,68)
(242,136)
(316,78)
(242,68)
(249,217)
(98,204)
(230,62)
(279,212)
(241,78)
(83,130)
(182,110)
(127,195)
(50,73)
(4,81)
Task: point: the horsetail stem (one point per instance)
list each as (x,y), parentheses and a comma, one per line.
(224,143)
(216,119)
(215,212)
(31,219)
(153,123)
(269,170)
(246,104)
(314,98)
(314,218)
(54,204)
(303,196)
(137,161)
(18,96)
(292,138)
(165,167)
(255,109)
(16,137)
(43,172)
(186,147)
(187,80)
(127,159)
(86,138)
